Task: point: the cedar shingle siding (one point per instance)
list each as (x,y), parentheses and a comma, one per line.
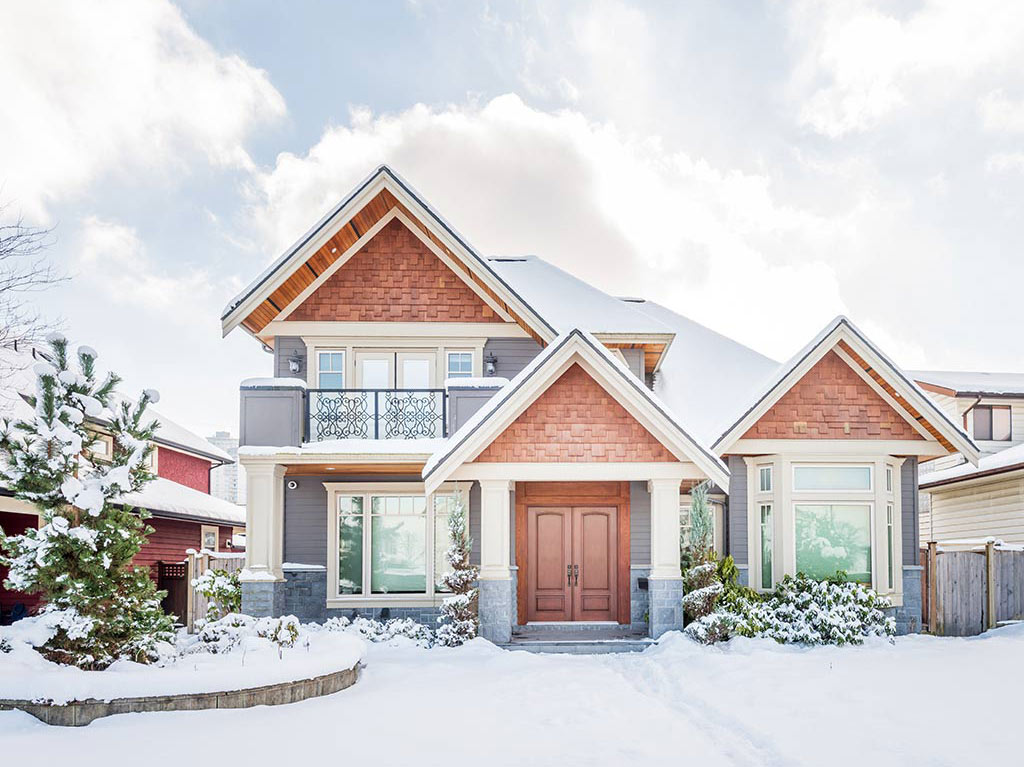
(831,402)
(394,278)
(575,420)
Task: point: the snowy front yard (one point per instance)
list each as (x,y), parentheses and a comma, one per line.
(751,702)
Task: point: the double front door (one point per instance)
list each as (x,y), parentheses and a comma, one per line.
(571,563)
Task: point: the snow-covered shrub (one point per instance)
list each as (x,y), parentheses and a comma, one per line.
(5,645)
(458,619)
(283,632)
(805,611)
(711,629)
(223,635)
(222,590)
(702,590)
(80,557)
(378,631)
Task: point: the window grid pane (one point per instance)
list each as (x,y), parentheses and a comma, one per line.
(350,544)
(1001,424)
(331,370)
(889,534)
(766,479)
(832,537)
(983,422)
(460,364)
(832,478)
(766,546)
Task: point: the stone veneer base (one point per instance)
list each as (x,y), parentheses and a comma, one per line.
(81,713)
(665,600)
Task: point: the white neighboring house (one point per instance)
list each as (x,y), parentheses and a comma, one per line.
(960,502)
(226,482)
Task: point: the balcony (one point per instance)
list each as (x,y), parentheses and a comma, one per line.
(375,414)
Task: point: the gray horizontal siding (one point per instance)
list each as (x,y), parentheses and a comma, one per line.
(910,512)
(286,348)
(639,524)
(513,354)
(737,534)
(305,516)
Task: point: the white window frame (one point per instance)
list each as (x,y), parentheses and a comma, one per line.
(834,465)
(316,366)
(432,597)
(447,363)
(203,530)
(784,499)
(762,472)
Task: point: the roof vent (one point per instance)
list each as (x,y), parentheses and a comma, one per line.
(507,259)
(633,300)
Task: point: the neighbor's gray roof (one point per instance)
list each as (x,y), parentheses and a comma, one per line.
(968,383)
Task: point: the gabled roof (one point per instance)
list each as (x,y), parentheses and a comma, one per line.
(1003,462)
(966,384)
(612,374)
(842,333)
(342,230)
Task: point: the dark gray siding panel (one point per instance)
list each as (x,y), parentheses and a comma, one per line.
(271,417)
(737,536)
(305,516)
(635,360)
(639,524)
(286,348)
(513,354)
(911,516)
(474,523)
(463,403)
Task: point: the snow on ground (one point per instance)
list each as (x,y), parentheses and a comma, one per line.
(26,675)
(922,700)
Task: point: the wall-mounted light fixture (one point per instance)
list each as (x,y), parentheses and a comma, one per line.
(294,364)
(490,361)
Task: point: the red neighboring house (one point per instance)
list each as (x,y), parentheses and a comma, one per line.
(185,515)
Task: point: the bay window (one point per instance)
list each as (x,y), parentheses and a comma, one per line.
(832,537)
(387,541)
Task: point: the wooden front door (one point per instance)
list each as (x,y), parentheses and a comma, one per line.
(572,563)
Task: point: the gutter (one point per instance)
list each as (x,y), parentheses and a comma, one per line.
(969,477)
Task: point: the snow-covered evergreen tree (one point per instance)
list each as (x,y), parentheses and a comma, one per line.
(79,559)
(703,587)
(459,621)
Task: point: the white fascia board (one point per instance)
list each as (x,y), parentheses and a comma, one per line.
(619,383)
(836,448)
(842,329)
(339,459)
(577,472)
(418,332)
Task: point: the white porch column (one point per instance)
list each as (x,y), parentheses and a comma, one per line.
(665,584)
(496,604)
(264,522)
(495,529)
(664,528)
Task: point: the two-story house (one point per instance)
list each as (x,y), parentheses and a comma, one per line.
(185,515)
(408,368)
(966,503)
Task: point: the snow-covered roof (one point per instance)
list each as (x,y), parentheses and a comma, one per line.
(162,496)
(705,377)
(1010,459)
(968,383)
(568,302)
(18,378)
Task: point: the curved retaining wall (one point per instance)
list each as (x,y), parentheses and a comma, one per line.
(80,713)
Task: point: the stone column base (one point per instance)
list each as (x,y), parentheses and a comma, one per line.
(262,599)
(908,617)
(665,600)
(496,610)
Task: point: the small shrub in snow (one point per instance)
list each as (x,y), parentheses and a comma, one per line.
(378,631)
(222,590)
(223,635)
(5,646)
(459,620)
(702,590)
(283,632)
(711,629)
(805,611)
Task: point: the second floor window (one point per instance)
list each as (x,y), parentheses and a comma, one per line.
(460,364)
(331,370)
(991,422)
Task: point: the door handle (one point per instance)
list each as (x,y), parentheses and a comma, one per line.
(568,575)
(576,575)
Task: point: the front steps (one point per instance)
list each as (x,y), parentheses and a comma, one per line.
(578,638)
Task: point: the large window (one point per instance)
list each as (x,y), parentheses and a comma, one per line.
(390,542)
(832,478)
(330,370)
(766,545)
(831,537)
(991,422)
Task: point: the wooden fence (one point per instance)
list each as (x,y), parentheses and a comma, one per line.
(198,563)
(969,591)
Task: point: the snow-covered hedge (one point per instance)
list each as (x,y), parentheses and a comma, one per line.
(386,631)
(799,611)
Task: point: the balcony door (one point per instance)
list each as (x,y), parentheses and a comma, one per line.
(402,413)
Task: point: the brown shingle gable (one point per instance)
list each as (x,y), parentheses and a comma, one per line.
(575,420)
(394,278)
(831,401)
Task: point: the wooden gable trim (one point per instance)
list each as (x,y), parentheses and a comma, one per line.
(891,391)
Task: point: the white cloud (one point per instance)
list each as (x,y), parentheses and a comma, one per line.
(1001,113)
(125,87)
(1003,162)
(858,65)
(622,212)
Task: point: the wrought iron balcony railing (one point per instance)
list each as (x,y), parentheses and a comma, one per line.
(375,414)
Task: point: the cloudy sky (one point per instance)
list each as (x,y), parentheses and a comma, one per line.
(759,167)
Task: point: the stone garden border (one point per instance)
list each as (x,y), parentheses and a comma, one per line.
(81,712)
